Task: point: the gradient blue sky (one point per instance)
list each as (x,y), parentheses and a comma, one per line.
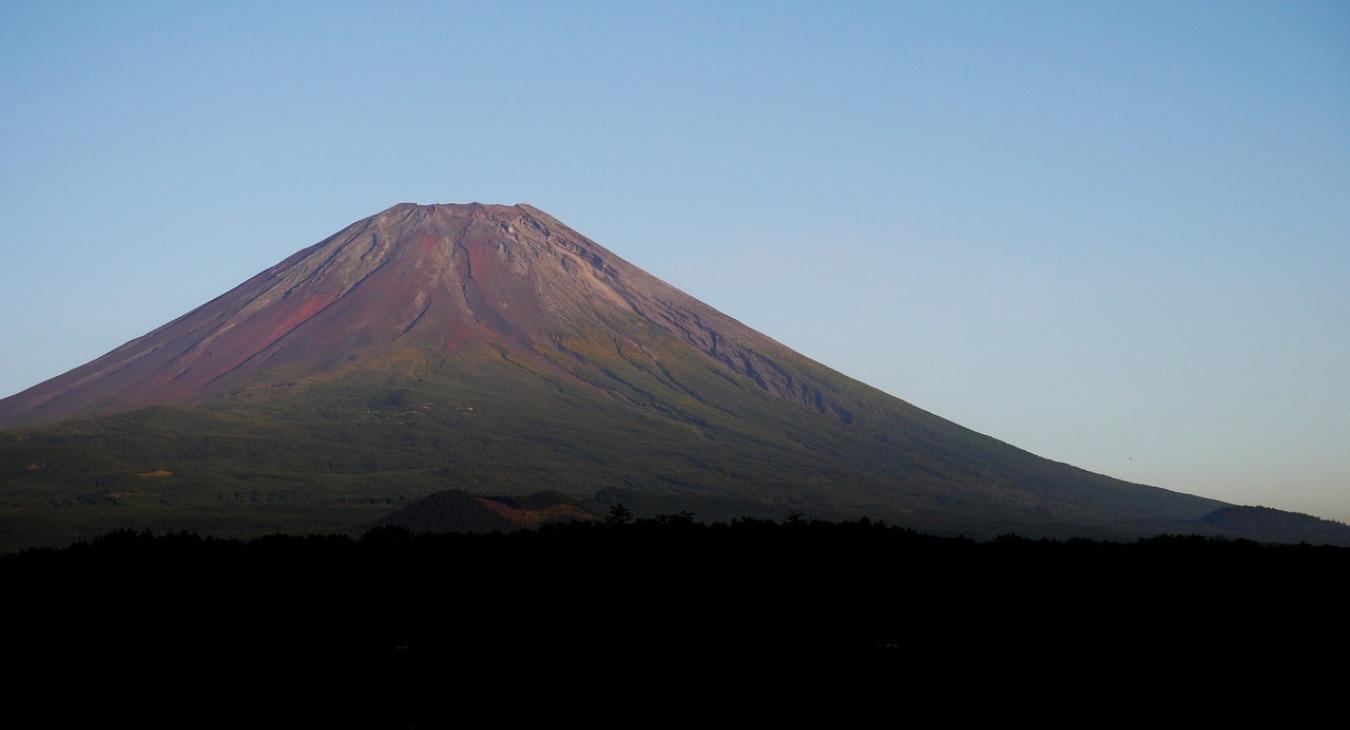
(1115,234)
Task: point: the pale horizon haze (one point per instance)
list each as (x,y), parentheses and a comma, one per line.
(1113,234)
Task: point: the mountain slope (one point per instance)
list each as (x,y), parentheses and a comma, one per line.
(494,349)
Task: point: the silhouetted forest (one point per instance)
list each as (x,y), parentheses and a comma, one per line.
(409,610)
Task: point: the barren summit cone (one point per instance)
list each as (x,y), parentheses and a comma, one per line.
(495,350)
(410,290)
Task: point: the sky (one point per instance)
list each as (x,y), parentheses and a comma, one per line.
(1114,234)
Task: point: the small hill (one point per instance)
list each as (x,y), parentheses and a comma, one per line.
(1264,524)
(455,510)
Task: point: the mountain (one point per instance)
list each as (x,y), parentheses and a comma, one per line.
(493,349)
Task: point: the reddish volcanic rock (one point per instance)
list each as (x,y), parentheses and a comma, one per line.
(410,287)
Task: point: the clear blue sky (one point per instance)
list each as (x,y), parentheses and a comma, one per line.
(1115,234)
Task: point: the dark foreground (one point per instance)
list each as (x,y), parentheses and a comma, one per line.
(594,603)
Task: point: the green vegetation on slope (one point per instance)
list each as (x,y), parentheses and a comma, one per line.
(337,455)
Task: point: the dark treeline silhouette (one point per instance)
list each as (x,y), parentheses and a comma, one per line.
(405,607)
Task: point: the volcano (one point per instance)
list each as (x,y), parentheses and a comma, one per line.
(493,350)
(418,287)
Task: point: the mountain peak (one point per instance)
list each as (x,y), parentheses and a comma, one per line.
(455,208)
(409,287)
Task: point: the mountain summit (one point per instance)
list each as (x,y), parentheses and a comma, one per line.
(494,350)
(411,289)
